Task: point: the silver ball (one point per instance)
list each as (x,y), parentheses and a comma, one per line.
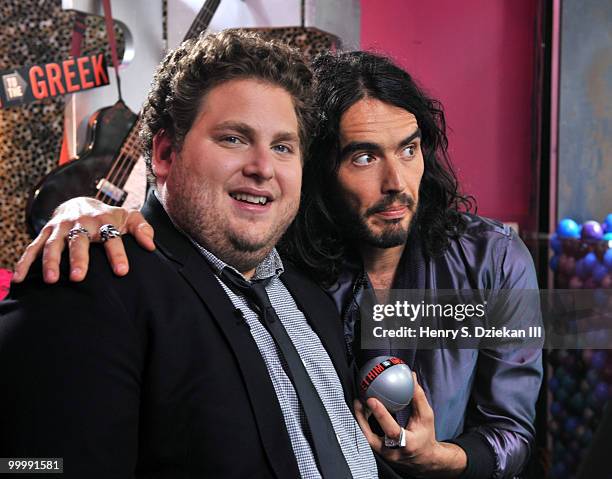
(389,380)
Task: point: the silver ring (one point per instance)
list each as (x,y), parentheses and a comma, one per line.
(76,231)
(108,232)
(396,443)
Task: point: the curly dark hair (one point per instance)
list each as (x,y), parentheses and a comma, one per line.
(315,242)
(189,72)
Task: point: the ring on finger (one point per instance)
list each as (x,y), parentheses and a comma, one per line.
(108,232)
(76,231)
(396,443)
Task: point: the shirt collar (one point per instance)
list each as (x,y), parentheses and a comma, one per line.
(271,266)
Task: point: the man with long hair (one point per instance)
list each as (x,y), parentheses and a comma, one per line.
(381,209)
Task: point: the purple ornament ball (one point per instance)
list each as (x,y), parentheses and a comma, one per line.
(606,282)
(590,283)
(599,271)
(590,261)
(592,230)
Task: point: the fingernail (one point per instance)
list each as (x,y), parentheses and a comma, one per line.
(121,269)
(76,271)
(51,275)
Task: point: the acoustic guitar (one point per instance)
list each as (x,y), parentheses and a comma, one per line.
(110,167)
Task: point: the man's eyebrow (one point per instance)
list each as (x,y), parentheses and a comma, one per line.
(409,139)
(287,136)
(237,126)
(249,131)
(357,146)
(365,145)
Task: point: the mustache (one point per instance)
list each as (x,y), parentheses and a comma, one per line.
(400,199)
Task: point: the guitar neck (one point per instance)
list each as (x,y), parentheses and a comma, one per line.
(131,149)
(203,19)
(129,154)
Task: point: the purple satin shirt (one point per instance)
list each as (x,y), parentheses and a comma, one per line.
(483,400)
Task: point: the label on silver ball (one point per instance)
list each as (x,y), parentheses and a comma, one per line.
(377,371)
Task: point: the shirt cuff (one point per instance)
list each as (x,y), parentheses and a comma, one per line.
(480,456)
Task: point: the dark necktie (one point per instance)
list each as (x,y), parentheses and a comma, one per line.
(330,458)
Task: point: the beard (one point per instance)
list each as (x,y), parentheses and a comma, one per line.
(190,204)
(392,234)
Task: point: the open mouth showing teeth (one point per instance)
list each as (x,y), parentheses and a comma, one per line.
(256,200)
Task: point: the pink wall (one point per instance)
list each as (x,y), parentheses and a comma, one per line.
(477,57)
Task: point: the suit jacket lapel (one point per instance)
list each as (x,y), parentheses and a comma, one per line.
(198,273)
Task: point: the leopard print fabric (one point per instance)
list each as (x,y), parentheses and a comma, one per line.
(310,41)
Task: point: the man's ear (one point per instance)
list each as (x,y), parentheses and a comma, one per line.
(163,155)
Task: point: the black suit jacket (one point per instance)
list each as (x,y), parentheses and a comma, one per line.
(151,375)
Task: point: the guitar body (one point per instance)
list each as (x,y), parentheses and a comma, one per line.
(108,128)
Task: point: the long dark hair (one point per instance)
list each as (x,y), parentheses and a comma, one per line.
(315,241)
